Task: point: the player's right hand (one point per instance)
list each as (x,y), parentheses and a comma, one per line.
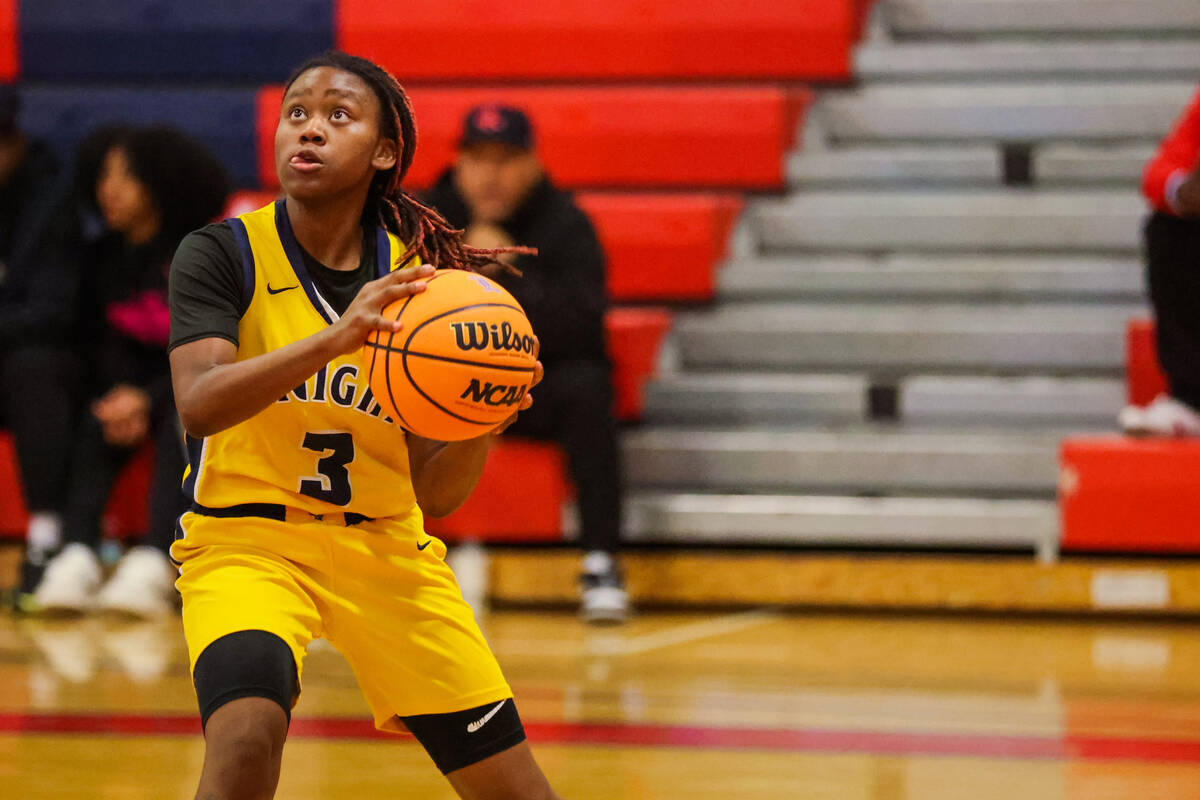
(364,314)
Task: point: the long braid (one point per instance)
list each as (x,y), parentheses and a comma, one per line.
(425,232)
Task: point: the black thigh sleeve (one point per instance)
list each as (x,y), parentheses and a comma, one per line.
(245,664)
(462,738)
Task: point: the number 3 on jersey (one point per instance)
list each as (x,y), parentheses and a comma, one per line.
(332,481)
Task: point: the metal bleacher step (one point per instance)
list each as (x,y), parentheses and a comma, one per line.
(747,398)
(943,17)
(996,220)
(868,460)
(1029,111)
(906,337)
(967,400)
(820,520)
(1057,163)
(1040,276)
(898,165)
(1049,56)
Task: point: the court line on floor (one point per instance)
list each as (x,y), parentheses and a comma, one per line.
(1078,748)
(683,634)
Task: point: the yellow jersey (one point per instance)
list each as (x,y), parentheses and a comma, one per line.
(324,447)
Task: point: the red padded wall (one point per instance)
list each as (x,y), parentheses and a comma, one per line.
(616,39)
(9,66)
(719,137)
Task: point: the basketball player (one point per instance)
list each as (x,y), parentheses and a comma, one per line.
(307,501)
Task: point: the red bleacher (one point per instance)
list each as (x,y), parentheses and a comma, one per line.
(635,338)
(660,247)
(1130,495)
(9,65)
(710,137)
(663,247)
(520,496)
(1144,379)
(614,40)
(1120,494)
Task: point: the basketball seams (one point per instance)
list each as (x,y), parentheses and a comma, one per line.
(432,402)
(403,352)
(387,363)
(450,359)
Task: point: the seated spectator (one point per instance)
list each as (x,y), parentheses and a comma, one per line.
(152,187)
(498,191)
(39,363)
(1172,236)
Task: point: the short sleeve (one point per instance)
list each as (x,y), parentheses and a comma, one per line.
(206,286)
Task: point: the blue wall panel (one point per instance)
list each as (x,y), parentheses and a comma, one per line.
(221,119)
(190,41)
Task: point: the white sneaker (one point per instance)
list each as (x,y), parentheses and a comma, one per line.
(70,581)
(603,595)
(142,586)
(1166,416)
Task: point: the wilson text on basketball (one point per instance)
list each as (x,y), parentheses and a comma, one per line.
(481,336)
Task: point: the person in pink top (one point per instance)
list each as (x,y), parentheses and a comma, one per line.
(150,187)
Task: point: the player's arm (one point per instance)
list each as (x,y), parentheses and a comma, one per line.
(445,473)
(215,391)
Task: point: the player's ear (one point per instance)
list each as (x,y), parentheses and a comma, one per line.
(385,154)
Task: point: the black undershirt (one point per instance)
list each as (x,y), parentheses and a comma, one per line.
(206,285)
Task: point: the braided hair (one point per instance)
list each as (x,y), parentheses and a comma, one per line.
(424,231)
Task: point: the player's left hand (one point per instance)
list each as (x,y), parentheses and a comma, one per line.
(124,415)
(527,400)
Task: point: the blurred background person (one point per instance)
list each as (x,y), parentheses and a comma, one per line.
(499,192)
(151,186)
(1172,246)
(39,363)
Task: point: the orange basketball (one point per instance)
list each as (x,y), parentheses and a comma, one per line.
(461,363)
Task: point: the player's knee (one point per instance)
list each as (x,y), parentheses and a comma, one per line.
(251,730)
(244,743)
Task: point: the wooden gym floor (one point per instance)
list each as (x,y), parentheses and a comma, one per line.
(753,704)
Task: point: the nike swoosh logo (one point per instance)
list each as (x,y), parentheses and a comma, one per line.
(424,544)
(284,289)
(479,723)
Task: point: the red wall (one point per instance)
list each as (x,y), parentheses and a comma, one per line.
(8,40)
(621,39)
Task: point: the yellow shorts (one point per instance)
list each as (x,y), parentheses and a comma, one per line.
(389,605)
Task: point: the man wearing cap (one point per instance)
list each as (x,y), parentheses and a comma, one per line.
(499,192)
(38,366)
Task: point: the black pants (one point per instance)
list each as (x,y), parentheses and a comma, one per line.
(573,406)
(39,402)
(1173,274)
(94,470)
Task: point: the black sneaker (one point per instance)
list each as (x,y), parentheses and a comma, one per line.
(605,601)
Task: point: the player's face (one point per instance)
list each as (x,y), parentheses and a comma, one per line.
(328,139)
(122,199)
(494,178)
